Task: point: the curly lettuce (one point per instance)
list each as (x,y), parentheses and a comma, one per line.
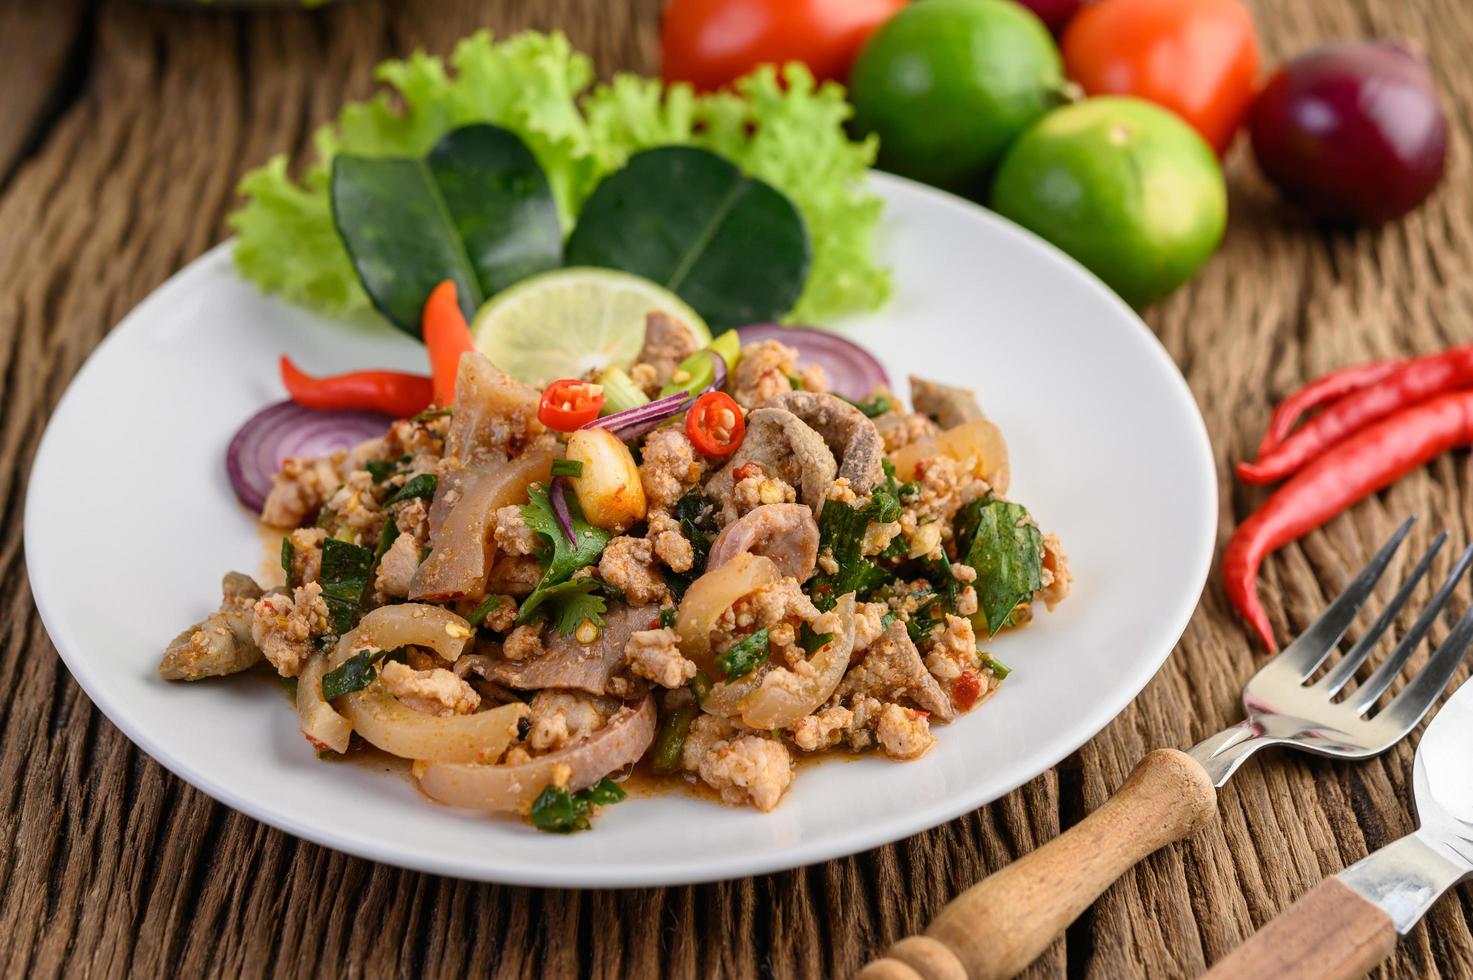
(788,132)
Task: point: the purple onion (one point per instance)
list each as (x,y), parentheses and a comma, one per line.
(642,419)
(286,430)
(851,370)
(557,492)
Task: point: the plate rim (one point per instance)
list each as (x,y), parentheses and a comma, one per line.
(715,867)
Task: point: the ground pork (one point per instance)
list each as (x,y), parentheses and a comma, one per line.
(306,554)
(299,489)
(752,489)
(284,626)
(823,729)
(749,769)
(767,369)
(352,507)
(655,655)
(904,733)
(782,603)
(560,718)
(412,517)
(435,691)
(1056,575)
(515,575)
(670,543)
(706,732)
(628,564)
(397,567)
(511,532)
(899,429)
(670,467)
(951,650)
(502,614)
(667,342)
(523,643)
(868,625)
(892,670)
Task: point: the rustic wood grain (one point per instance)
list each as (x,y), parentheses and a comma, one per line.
(126,126)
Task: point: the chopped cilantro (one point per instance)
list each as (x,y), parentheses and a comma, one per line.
(568,604)
(567,467)
(745,657)
(488,605)
(344,578)
(557,811)
(421,486)
(354,674)
(288,554)
(560,559)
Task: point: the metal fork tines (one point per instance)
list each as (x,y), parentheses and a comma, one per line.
(1285,707)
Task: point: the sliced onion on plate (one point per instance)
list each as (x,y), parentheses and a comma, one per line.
(851,370)
(284,430)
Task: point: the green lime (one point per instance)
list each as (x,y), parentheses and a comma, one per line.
(948,84)
(1122,185)
(568,322)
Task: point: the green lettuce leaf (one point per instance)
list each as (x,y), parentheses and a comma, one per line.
(788,133)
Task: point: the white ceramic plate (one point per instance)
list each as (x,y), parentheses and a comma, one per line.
(130,522)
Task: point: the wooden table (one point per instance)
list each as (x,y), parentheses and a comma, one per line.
(125,128)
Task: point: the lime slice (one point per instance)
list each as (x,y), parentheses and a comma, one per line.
(569,322)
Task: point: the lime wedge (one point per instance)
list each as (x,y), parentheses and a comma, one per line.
(569,322)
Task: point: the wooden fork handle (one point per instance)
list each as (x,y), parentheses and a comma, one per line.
(1000,925)
(1330,934)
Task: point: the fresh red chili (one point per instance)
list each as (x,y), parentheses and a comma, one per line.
(446,337)
(1321,391)
(715,424)
(570,404)
(1372,458)
(1414,381)
(391,392)
(966,689)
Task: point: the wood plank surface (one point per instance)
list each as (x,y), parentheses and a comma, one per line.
(126,126)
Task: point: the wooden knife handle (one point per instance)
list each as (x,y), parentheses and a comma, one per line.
(1000,925)
(1330,934)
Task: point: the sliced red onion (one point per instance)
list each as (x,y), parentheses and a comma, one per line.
(642,419)
(852,371)
(557,491)
(284,430)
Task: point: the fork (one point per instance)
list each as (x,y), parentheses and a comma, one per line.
(1000,925)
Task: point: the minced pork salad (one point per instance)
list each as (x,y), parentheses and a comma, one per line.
(527,595)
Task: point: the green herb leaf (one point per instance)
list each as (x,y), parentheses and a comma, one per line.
(810,641)
(560,557)
(488,605)
(288,555)
(345,574)
(381,469)
(421,486)
(567,467)
(557,811)
(874,407)
(566,605)
(386,539)
(477,210)
(354,674)
(1006,549)
(430,413)
(748,654)
(732,246)
(667,617)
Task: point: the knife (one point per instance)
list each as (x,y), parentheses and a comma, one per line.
(1349,923)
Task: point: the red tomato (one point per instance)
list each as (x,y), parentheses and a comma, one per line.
(1198,58)
(570,404)
(711,42)
(715,424)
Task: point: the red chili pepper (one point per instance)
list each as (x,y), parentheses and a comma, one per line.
(1414,381)
(446,337)
(570,404)
(1373,458)
(966,689)
(391,392)
(1321,391)
(715,424)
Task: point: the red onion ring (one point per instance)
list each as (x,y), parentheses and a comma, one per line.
(557,492)
(284,430)
(852,371)
(642,419)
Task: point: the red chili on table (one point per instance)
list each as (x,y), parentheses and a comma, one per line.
(1321,391)
(391,392)
(715,424)
(1367,461)
(1412,382)
(570,404)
